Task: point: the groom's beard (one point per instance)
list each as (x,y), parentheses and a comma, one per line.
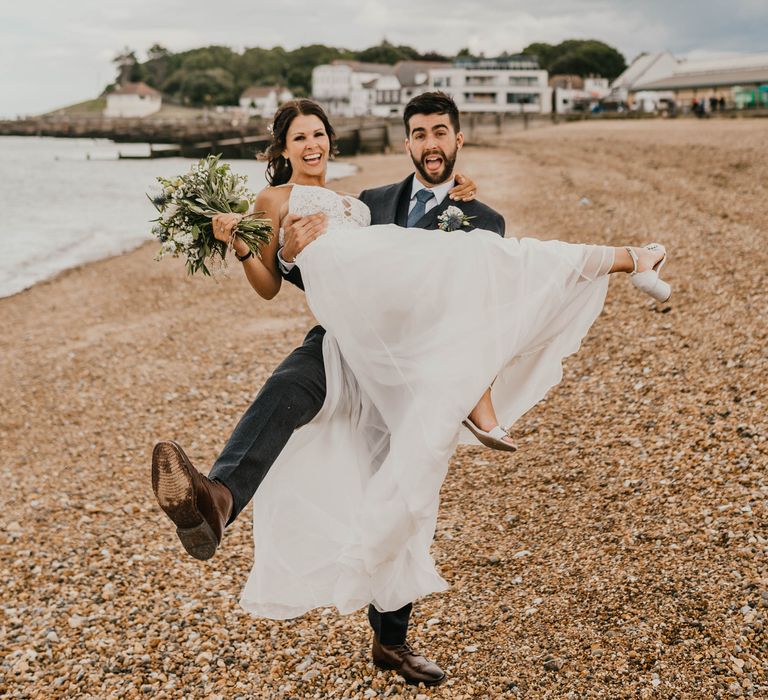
(439,177)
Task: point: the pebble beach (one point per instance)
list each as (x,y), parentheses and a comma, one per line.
(622,552)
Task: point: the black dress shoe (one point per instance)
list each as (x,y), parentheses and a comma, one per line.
(200,508)
(412,666)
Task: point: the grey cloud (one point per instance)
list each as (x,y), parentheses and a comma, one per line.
(85,34)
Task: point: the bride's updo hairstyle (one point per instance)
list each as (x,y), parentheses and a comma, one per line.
(279,168)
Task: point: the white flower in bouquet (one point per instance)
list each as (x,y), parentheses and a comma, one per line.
(188,203)
(169,212)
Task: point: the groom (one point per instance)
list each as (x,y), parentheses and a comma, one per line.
(201,507)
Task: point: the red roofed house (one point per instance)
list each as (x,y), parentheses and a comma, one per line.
(133,100)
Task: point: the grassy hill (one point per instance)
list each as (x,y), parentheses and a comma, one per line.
(90,108)
(95,108)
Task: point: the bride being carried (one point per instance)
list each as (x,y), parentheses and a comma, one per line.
(419,322)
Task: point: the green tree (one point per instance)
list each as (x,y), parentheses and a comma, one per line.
(543,52)
(172,84)
(209,86)
(433,56)
(128,67)
(258,66)
(387,53)
(209,57)
(582,57)
(158,65)
(301,61)
(591,58)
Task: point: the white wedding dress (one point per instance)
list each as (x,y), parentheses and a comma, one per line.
(419,323)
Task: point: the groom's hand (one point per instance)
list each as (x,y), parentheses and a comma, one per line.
(464,190)
(300,231)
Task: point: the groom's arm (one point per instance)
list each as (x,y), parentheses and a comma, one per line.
(367,197)
(499,225)
(299,232)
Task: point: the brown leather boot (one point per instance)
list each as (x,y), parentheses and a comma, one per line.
(410,665)
(199,507)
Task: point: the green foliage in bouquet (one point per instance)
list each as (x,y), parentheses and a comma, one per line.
(187,205)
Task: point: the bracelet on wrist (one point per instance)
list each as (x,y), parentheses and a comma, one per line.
(283,259)
(243,258)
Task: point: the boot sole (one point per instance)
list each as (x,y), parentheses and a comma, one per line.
(410,681)
(172,484)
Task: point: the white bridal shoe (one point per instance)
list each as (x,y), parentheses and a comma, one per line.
(493,438)
(649,281)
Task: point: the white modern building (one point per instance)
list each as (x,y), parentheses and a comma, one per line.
(263,100)
(512,84)
(352,88)
(393,92)
(348,88)
(414,77)
(385,97)
(133,100)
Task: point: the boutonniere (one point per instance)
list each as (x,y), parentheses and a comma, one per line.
(453,219)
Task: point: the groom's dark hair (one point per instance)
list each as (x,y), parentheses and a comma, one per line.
(431,103)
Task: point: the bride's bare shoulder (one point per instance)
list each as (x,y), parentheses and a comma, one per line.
(274,195)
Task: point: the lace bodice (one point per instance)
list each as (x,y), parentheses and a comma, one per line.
(341,210)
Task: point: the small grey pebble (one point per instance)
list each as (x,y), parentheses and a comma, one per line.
(553,664)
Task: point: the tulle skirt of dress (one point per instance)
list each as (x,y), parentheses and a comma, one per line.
(419,323)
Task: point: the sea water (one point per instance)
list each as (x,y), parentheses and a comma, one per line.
(64,202)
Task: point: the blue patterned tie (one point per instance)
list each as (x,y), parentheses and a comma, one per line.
(420,208)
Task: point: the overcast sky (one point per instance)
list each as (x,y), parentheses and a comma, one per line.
(56,52)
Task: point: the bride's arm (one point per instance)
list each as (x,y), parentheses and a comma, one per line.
(261,272)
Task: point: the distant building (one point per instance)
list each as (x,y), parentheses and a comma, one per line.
(645,68)
(414,77)
(133,100)
(348,88)
(512,84)
(353,88)
(392,92)
(739,81)
(263,100)
(572,93)
(385,96)
(657,101)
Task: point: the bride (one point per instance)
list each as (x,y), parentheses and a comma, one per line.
(419,325)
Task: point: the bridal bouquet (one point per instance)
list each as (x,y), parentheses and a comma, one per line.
(187,204)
